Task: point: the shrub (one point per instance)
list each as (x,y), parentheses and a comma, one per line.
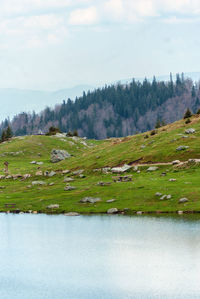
(187,121)
(153,132)
(53,131)
(187,114)
(198,111)
(146,136)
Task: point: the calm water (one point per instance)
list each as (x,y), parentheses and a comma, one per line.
(54,257)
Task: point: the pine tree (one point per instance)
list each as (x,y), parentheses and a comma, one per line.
(8,133)
(3,136)
(187,114)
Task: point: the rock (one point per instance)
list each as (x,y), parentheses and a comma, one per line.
(143,146)
(67,179)
(38,183)
(26,176)
(65,171)
(69,188)
(121,169)
(190,131)
(2,177)
(135,168)
(90,200)
(78,172)
(33,162)
(158,194)
(59,155)
(39,173)
(164,197)
(82,176)
(103,183)
(8,177)
(175,162)
(172,180)
(182,148)
(139,212)
(40,163)
(112,211)
(163,173)
(106,169)
(35,212)
(152,168)
(110,200)
(53,206)
(51,184)
(183,200)
(194,161)
(127,178)
(52,173)
(72,214)
(180,212)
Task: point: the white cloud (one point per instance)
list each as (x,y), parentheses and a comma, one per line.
(86,16)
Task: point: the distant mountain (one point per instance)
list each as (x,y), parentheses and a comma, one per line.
(14,101)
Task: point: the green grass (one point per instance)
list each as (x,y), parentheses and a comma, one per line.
(138,195)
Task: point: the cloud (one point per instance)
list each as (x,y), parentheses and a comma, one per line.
(86,16)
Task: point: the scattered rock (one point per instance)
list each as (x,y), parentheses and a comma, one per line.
(143,146)
(40,163)
(65,171)
(53,206)
(110,200)
(194,161)
(158,194)
(51,184)
(182,148)
(38,183)
(164,197)
(52,173)
(103,183)
(123,168)
(106,169)
(183,200)
(72,214)
(175,162)
(190,131)
(69,188)
(90,200)
(139,212)
(33,162)
(152,168)
(78,172)
(35,212)
(180,212)
(82,176)
(8,177)
(26,176)
(39,173)
(112,211)
(127,178)
(163,173)
(172,180)
(59,155)
(67,179)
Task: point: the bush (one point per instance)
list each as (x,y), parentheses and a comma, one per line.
(153,132)
(198,111)
(187,121)
(53,131)
(146,136)
(187,114)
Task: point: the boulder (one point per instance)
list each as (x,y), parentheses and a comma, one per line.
(152,168)
(69,188)
(67,179)
(172,180)
(34,183)
(110,200)
(33,162)
(112,211)
(190,131)
(90,200)
(39,173)
(59,155)
(183,200)
(72,214)
(121,169)
(52,173)
(182,148)
(78,172)
(53,206)
(65,171)
(175,162)
(158,194)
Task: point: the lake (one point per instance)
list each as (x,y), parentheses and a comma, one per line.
(54,257)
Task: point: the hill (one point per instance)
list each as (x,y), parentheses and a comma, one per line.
(115,110)
(88,172)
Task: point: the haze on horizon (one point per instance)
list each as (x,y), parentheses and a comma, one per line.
(57,44)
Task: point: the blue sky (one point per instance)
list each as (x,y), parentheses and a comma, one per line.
(54,44)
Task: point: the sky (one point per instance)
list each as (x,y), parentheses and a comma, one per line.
(55,44)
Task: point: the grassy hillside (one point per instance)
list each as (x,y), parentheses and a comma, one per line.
(91,156)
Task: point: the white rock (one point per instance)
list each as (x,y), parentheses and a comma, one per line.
(121,169)
(112,211)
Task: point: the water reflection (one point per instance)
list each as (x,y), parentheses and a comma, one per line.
(99,257)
